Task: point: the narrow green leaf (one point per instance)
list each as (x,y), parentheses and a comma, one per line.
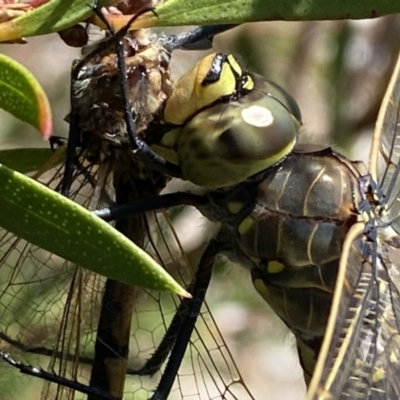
(47,219)
(209,12)
(25,160)
(53,16)
(22,96)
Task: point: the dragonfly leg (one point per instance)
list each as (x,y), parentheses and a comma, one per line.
(193,306)
(53,377)
(140,206)
(199,38)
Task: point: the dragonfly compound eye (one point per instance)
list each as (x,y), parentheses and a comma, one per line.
(234,124)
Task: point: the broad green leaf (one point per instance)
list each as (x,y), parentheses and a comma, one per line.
(209,12)
(45,218)
(52,16)
(22,96)
(25,160)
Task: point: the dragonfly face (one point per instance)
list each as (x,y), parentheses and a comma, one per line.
(251,129)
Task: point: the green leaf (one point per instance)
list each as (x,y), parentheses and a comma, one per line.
(53,16)
(25,160)
(22,96)
(43,217)
(209,12)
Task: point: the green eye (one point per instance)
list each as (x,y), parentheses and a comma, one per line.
(231,138)
(281,95)
(227,143)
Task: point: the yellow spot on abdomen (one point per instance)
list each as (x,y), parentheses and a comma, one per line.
(378,375)
(262,290)
(245,225)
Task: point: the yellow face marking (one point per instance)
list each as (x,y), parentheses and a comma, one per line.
(235,206)
(274,267)
(249,84)
(189,95)
(235,65)
(245,225)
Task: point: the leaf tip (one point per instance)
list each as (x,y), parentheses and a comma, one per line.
(185,294)
(45,121)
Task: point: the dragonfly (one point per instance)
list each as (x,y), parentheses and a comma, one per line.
(314,251)
(317,231)
(356,286)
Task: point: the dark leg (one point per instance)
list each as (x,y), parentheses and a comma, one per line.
(193,306)
(198,39)
(141,206)
(52,377)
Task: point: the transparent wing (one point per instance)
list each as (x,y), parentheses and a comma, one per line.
(49,314)
(41,299)
(385,151)
(343,325)
(358,358)
(208,369)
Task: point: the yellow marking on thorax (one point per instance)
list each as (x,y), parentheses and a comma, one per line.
(275,267)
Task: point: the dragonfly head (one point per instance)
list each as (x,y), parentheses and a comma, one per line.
(230,124)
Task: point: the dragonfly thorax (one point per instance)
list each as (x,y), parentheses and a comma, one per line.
(290,234)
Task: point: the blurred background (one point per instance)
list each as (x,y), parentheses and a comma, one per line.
(337,72)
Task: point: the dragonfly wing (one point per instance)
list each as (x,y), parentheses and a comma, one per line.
(385,163)
(49,310)
(385,150)
(359,353)
(339,349)
(43,301)
(388,363)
